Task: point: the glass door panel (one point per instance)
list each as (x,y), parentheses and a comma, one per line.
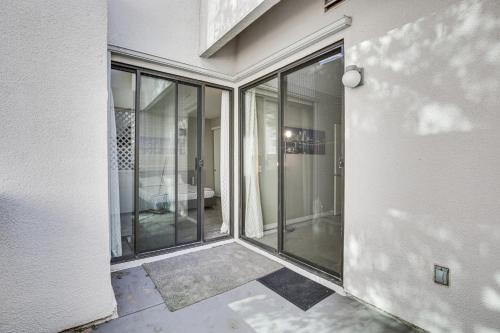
(156,174)
(216,172)
(188,180)
(260,163)
(312,179)
(157,136)
(121,124)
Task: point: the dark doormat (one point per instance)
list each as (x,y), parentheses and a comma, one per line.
(295,288)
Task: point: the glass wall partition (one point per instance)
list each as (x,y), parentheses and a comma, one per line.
(292,148)
(160,191)
(312,174)
(217,163)
(156,193)
(187,169)
(121,155)
(260,163)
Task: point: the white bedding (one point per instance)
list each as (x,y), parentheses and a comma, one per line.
(188,192)
(150,196)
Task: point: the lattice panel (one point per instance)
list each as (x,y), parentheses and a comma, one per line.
(125,138)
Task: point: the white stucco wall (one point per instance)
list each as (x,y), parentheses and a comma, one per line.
(166,29)
(222,20)
(421,180)
(54,239)
(222,15)
(421,166)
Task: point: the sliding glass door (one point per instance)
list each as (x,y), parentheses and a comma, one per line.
(312,169)
(188,180)
(168,169)
(156,227)
(292,153)
(260,132)
(161,192)
(121,162)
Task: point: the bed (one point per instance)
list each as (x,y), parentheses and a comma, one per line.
(208,194)
(155,197)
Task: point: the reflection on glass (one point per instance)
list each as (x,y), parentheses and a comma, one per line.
(156,227)
(187,185)
(260,163)
(121,122)
(312,179)
(217,163)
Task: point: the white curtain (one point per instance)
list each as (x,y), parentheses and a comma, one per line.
(254,226)
(225,161)
(113,183)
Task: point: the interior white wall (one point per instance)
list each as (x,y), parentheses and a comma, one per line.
(267,120)
(54,237)
(421,147)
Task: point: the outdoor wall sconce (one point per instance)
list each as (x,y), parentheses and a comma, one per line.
(353,76)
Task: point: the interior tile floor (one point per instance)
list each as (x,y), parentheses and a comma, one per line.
(318,241)
(249,308)
(157,231)
(213,220)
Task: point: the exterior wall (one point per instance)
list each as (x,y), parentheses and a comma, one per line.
(54,238)
(421,176)
(165,29)
(222,20)
(223,15)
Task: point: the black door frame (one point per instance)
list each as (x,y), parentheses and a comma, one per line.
(201,85)
(336,48)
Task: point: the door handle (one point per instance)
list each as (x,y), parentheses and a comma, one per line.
(198,163)
(341,163)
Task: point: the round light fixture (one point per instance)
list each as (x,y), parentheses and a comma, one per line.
(288,133)
(353,76)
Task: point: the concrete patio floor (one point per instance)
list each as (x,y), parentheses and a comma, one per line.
(249,308)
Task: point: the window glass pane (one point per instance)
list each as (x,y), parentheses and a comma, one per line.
(313,180)
(156,227)
(187,186)
(121,123)
(217,163)
(260,163)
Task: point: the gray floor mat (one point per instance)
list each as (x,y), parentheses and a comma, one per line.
(196,276)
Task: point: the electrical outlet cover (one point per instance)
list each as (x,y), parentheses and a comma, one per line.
(442,275)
